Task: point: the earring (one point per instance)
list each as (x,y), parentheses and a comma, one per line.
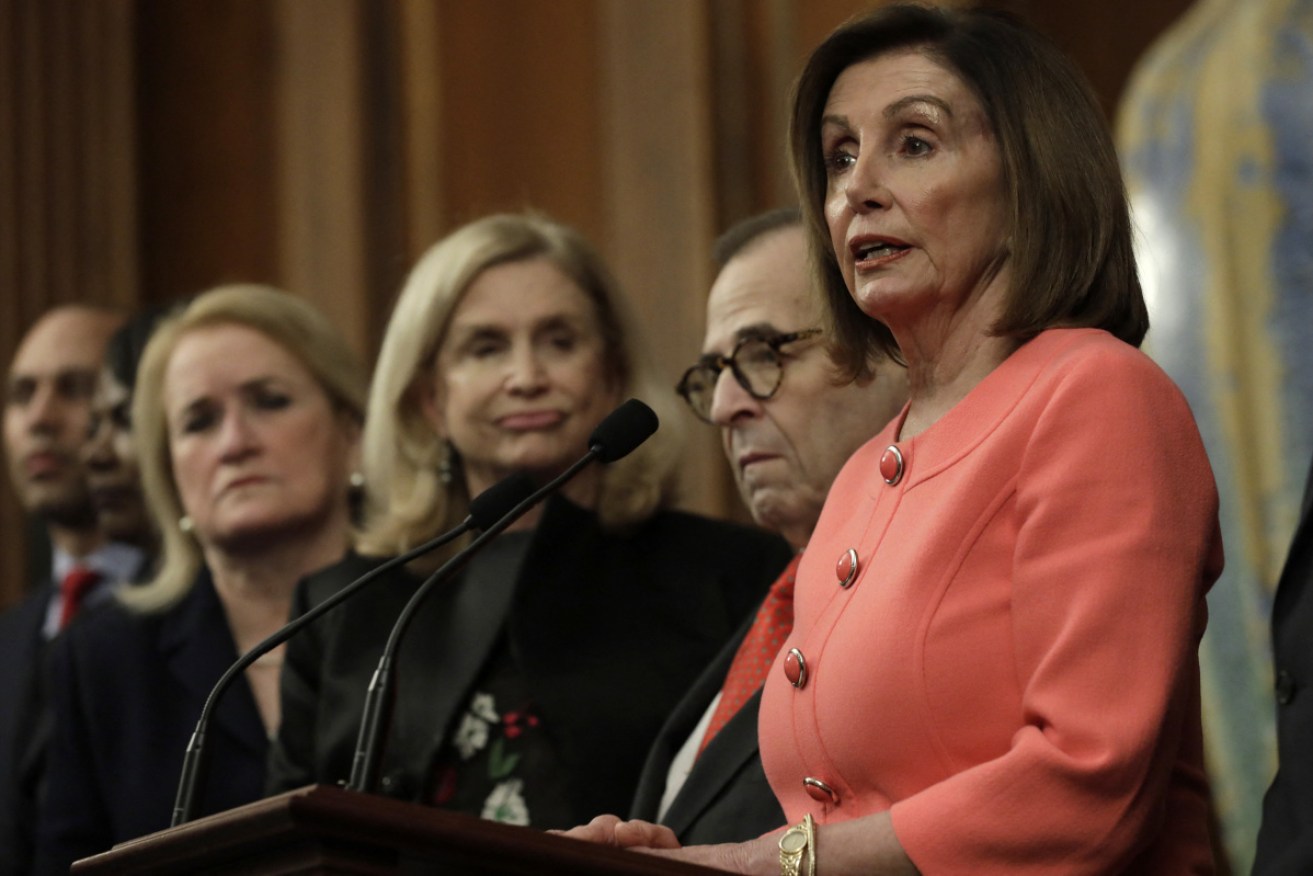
(357,480)
(447,465)
(185,524)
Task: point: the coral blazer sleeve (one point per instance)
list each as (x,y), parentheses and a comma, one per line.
(1013,673)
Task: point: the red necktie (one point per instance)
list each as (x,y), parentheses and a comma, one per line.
(748,670)
(75,586)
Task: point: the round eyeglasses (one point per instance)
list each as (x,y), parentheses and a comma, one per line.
(755,362)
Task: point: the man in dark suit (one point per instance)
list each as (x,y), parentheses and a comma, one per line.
(1285,840)
(47,408)
(764,378)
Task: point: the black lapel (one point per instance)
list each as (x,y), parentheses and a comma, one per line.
(446,646)
(732,747)
(197,648)
(22,690)
(683,720)
(24,650)
(674,733)
(1300,559)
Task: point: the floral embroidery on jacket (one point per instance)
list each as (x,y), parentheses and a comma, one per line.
(485,734)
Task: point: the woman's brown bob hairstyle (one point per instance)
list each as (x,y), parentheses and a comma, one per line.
(1069,244)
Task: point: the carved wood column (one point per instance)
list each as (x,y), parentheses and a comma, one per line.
(322,127)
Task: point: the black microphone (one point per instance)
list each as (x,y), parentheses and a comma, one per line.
(615,437)
(486,509)
(622,430)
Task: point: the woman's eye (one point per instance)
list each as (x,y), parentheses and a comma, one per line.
(196,422)
(483,349)
(839,160)
(272,401)
(915,146)
(563,342)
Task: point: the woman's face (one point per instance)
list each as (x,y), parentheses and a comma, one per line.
(110,458)
(520,380)
(259,450)
(915,202)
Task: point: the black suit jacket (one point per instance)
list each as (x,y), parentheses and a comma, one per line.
(1285,840)
(22,650)
(726,797)
(127,691)
(610,629)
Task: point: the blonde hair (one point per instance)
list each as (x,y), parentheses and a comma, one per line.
(290,322)
(407,501)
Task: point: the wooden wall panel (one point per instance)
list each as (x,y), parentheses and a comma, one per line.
(208,156)
(520,86)
(109,152)
(423,146)
(661,192)
(321,128)
(754,49)
(14,543)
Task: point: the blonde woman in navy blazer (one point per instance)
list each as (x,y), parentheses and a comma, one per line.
(247,415)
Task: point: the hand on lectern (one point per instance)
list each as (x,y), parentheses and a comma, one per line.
(611,830)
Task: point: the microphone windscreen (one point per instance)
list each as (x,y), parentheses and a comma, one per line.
(623,430)
(497,501)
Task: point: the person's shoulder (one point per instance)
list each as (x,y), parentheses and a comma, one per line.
(103,637)
(21,628)
(27,612)
(1091,363)
(1091,378)
(110,621)
(1096,352)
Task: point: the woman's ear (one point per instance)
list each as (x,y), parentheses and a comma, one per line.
(428,398)
(351,431)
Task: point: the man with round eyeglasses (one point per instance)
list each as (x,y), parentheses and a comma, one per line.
(757,363)
(787,426)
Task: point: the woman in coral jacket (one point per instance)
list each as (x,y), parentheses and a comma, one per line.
(993,667)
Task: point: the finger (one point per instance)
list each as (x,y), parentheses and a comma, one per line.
(644,834)
(600,830)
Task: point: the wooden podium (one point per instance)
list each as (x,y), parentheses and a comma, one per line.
(322,829)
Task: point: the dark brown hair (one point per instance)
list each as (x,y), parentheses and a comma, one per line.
(1069,241)
(741,234)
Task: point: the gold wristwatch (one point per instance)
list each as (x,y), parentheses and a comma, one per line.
(795,842)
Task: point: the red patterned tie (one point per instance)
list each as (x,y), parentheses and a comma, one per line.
(75,586)
(748,670)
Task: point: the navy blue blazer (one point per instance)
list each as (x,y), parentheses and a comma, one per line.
(1285,839)
(22,720)
(726,797)
(127,690)
(611,628)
